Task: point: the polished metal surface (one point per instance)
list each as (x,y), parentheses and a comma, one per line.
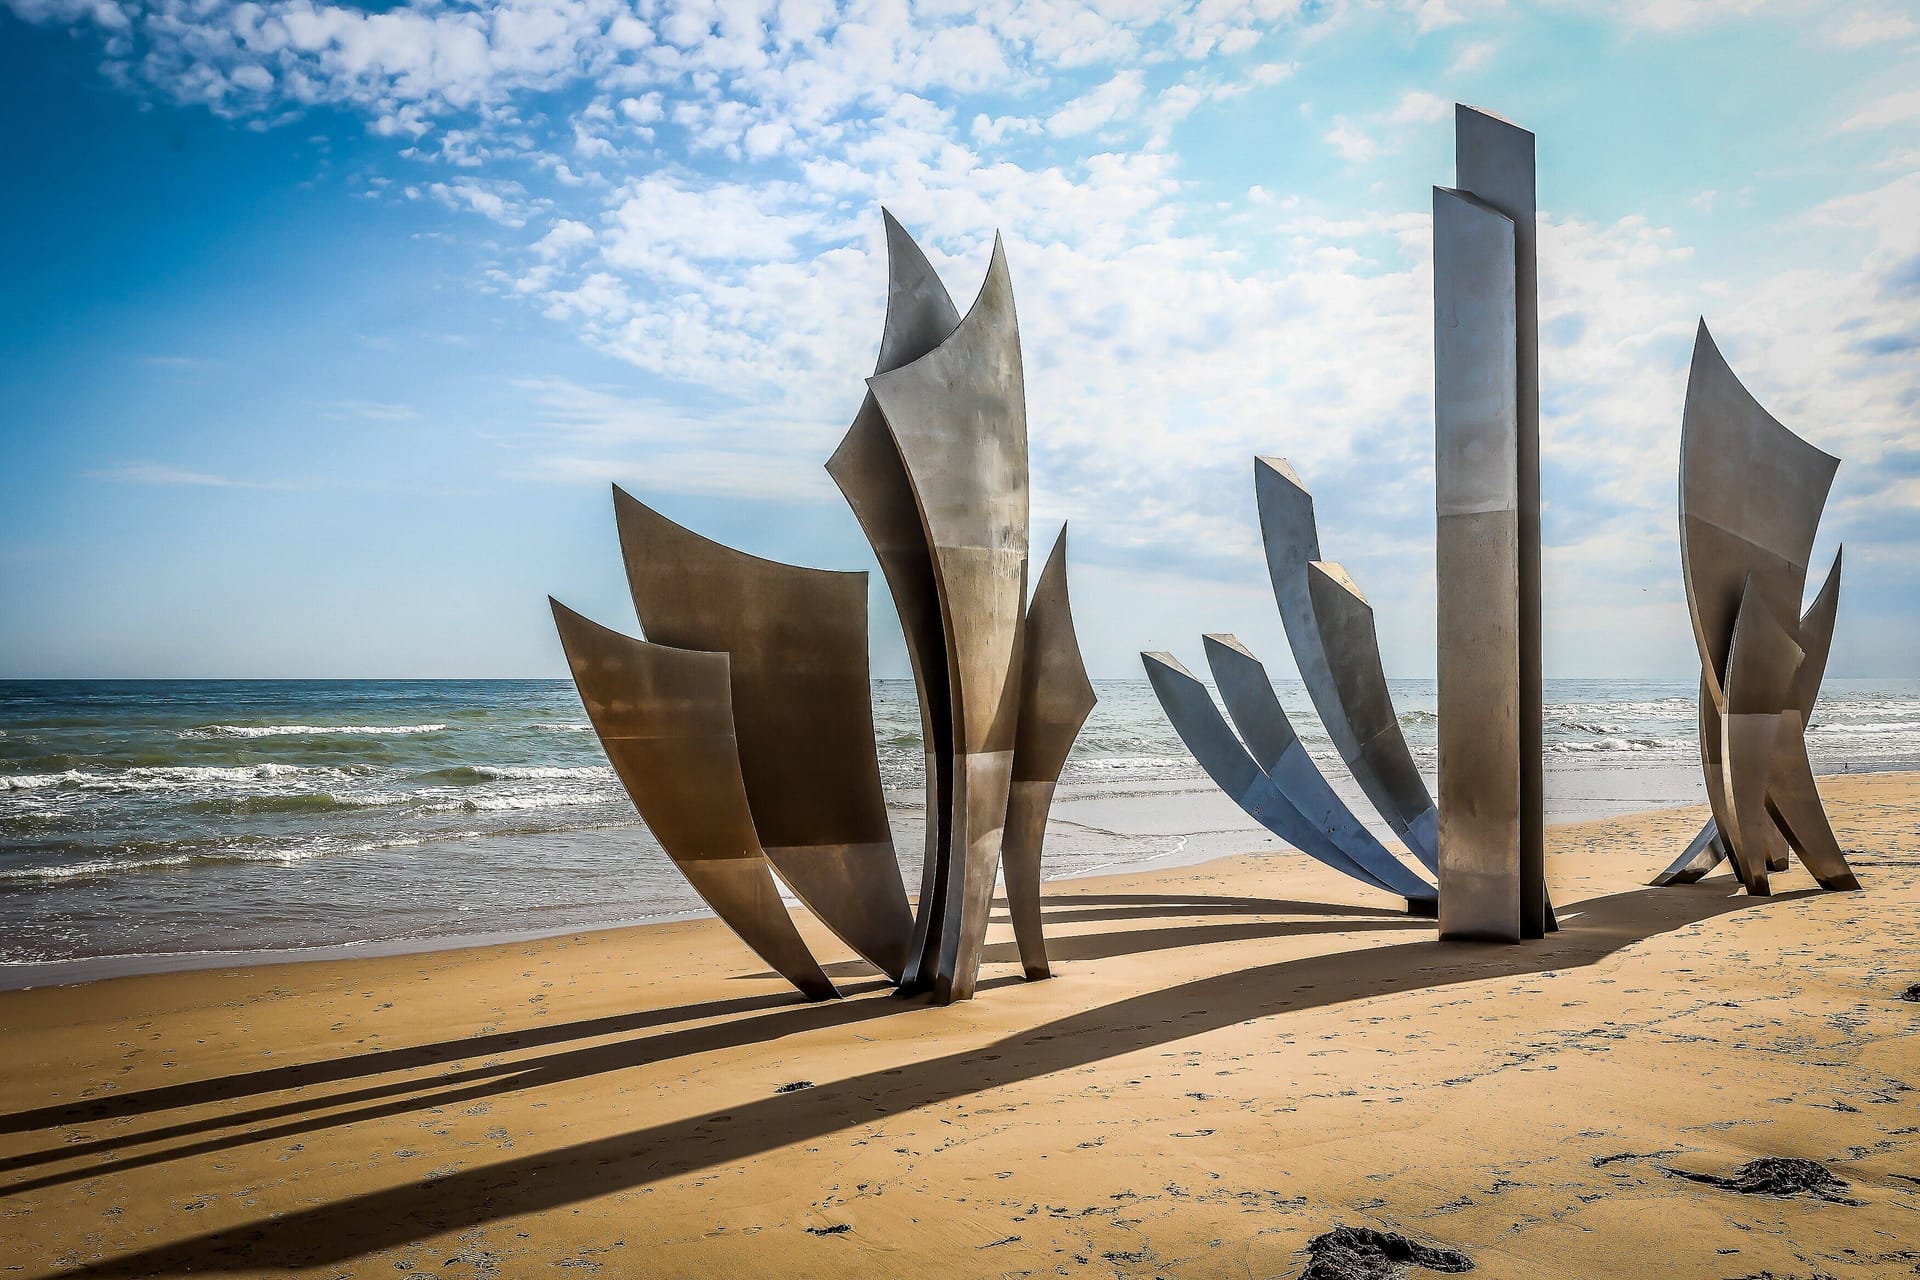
(665,717)
(1494,161)
(1269,736)
(1343,620)
(1494,170)
(1055,699)
(1478,571)
(1191,711)
(1751,496)
(957,416)
(802,709)
(1349,667)
(868,468)
(1708,849)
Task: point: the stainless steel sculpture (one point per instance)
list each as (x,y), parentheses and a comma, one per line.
(665,718)
(1339,660)
(1191,711)
(957,416)
(1270,738)
(1487,491)
(802,713)
(1708,849)
(1055,699)
(935,469)
(1751,496)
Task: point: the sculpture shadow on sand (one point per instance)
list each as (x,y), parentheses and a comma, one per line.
(330,1233)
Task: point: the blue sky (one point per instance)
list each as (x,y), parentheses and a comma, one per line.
(328,325)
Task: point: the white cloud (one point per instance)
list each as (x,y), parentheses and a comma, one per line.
(1098,107)
(1867,27)
(1352,142)
(1895,108)
(1473,56)
(1416,106)
(156,473)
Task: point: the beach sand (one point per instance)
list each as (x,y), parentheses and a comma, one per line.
(1232,1058)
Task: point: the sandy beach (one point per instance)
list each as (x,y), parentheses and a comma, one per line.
(1233,1058)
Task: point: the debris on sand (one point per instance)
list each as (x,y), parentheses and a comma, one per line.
(1775,1176)
(1912,994)
(1361,1253)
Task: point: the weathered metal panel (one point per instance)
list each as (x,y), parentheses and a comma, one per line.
(665,719)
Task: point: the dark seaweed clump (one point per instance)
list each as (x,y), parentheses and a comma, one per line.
(1777,1176)
(794,1086)
(1361,1253)
(1912,994)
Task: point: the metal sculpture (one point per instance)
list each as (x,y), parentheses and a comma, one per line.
(957,416)
(1270,738)
(1191,711)
(1487,491)
(665,718)
(1751,496)
(802,712)
(1708,849)
(1055,699)
(935,469)
(1343,677)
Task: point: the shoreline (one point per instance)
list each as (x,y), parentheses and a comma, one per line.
(1157,807)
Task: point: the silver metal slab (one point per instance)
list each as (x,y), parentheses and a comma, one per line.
(665,719)
(1478,571)
(1191,711)
(1269,736)
(802,709)
(1055,699)
(1494,162)
(872,476)
(1751,496)
(1707,849)
(957,416)
(1349,666)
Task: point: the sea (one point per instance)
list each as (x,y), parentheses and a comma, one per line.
(159,825)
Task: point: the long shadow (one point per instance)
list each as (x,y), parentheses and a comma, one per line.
(1131,942)
(331,1233)
(377,1062)
(490,1079)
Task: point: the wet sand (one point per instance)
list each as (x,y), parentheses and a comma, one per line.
(1233,1058)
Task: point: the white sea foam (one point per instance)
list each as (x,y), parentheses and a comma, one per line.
(535,773)
(572,726)
(545,800)
(305,730)
(171,777)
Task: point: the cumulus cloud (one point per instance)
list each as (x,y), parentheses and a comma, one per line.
(692,186)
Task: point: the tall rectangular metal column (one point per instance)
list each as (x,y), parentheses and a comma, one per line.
(1487,473)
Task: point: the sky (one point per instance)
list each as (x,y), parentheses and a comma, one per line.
(326,327)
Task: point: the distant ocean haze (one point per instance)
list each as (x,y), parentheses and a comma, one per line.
(167,820)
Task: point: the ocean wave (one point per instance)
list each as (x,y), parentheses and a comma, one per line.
(284,855)
(95,867)
(558,726)
(544,800)
(298,802)
(473,774)
(305,730)
(1882,727)
(167,777)
(1637,745)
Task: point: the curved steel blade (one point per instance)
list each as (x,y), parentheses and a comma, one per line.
(665,718)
